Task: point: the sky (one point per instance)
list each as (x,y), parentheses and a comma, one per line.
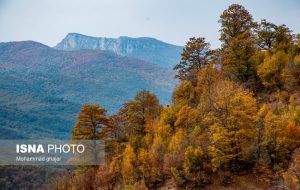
(172,21)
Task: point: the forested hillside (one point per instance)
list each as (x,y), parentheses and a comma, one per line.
(234,122)
(42,88)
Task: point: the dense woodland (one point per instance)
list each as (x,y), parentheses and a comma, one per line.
(235,112)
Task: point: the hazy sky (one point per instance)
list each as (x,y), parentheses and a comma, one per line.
(173,21)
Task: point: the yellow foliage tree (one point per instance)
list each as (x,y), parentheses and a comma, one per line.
(232,128)
(186,117)
(270,71)
(175,156)
(281,135)
(128,168)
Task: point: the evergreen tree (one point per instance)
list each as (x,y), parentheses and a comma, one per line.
(235,21)
(196,55)
(238,44)
(265,34)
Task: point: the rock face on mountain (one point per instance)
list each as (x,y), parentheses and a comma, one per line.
(147,49)
(42,89)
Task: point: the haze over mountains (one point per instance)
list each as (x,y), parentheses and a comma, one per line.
(43,88)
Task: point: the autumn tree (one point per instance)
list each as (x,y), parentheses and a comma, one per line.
(91,124)
(176,149)
(232,126)
(270,71)
(291,75)
(186,117)
(114,144)
(292,175)
(152,163)
(168,116)
(196,55)
(281,134)
(297,40)
(283,38)
(128,166)
(144,109)
(207,80)
(184,94)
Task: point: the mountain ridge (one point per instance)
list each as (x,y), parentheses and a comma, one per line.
(144,48)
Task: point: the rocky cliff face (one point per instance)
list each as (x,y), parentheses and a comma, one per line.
(147,49)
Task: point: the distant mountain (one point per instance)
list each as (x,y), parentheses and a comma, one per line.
(42,89)
(147,49)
